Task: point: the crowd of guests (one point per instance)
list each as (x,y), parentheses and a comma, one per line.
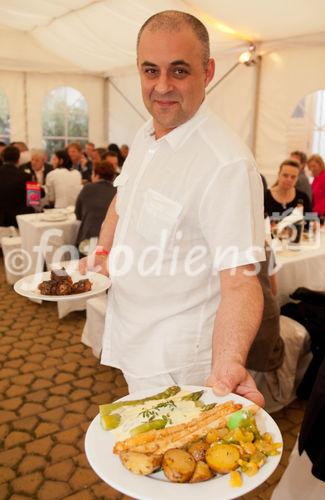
(72,177)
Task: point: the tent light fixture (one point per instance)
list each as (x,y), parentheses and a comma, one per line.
(249,56)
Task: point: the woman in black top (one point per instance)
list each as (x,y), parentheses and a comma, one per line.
(94,199)
(283,197)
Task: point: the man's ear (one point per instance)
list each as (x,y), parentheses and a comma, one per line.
(209,72)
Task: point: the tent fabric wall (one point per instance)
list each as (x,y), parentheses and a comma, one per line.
(26,93)
(286,77)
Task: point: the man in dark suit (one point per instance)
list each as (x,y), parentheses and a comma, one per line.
(12,188)
(37,169)
(79,161)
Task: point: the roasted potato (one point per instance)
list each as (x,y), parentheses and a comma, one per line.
(140,463)
(201,473)
(178,465)
(198,449)
(222,458)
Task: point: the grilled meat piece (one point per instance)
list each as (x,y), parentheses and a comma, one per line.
(48,287)
(63,288)
(81,286)
(60,275)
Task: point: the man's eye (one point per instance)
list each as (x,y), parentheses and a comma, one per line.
(180,72)
(151,71)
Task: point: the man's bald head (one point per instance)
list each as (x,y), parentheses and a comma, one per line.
(174,21)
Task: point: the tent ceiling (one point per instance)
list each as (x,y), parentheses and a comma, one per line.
(99,35)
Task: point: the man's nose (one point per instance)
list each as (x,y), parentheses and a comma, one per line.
(163,85)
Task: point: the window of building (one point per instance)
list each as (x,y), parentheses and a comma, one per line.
(65,119)
(4,118)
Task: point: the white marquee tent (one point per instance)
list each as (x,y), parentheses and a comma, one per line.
(90,45)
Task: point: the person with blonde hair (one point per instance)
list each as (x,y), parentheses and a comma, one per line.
(317,167)
(283,197)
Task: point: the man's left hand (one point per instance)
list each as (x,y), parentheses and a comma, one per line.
(234,378)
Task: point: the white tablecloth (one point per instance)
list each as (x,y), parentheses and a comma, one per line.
(35,231)
(302,268)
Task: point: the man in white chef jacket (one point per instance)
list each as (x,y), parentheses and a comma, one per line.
(184,229)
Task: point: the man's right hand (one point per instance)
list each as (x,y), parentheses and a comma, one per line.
(96,263)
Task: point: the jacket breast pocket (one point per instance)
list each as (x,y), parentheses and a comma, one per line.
(120,183)
(158,218)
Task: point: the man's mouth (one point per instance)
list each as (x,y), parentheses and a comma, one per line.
(165,104)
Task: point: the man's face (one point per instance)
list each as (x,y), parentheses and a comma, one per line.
(173,77)
(114,161)
(297,159)
(37,162)
(74,155)
(89,150)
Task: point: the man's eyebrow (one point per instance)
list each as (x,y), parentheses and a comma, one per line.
(178,62)
(148,63)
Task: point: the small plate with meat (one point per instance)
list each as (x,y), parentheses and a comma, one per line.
(57,285)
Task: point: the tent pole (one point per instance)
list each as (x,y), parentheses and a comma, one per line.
(256,101)
(25,108)
(223,77)
(105,107)
(127,100)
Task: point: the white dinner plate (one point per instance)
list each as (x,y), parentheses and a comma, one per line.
(54,217)
(99,445)
(28,286)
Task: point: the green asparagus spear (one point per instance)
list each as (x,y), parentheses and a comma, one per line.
(208,406)
(110,422)
(106,409)
(192,396)
(148,426)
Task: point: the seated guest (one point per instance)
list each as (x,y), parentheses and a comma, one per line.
(283,196)
(112,158)
(302,183)
(98,155)
(317,168)
(124,151)
(63,184)
(12,188)
(2,146)
(267,351)
(37,169)
(114,147)
(24,151)
(79,160)
(279,354)
(89,149)
(94,199)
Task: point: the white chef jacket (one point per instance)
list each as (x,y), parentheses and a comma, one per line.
(195,193)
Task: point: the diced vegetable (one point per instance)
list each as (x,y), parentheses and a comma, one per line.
(235,479)
(215,434)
